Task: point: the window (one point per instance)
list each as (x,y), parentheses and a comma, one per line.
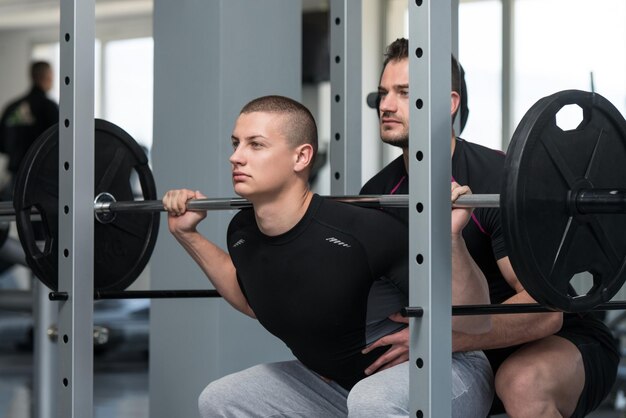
(123,92)
(480,54)
(50,52)
(560,44)
(128,80)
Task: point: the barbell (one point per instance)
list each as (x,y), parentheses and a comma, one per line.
(562,191)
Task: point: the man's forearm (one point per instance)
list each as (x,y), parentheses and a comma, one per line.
(510,329)
(218,267)
(469,287)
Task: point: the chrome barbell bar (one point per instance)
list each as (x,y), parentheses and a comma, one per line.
(386,201)
(105,205)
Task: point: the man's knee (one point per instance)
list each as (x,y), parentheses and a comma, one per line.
(522,385)
(525,391)
(361,405)
(215,400)
(380,395)
(518,382)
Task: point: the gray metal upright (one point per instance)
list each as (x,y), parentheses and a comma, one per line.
(429,207)
(346,101)
(76,228)
(45,364)
(508,55)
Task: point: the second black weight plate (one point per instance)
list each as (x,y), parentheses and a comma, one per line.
(123,247)
(548,242)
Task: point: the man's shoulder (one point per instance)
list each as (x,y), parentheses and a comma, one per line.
(242,220)
(51,103)
(13,104)
(480,167)
(482,152)
(351,217)
(381,182)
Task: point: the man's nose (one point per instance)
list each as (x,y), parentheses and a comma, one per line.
(235,157)
(387,103)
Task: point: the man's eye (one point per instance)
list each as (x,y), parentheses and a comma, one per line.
(235,144)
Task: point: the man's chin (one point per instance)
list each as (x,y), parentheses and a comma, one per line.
(241,191)
(397,142)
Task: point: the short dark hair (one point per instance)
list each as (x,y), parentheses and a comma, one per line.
(458,85)
(399,50)
(300,127)
(38,71)
(396,51)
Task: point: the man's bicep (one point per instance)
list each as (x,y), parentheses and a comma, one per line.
(504,264)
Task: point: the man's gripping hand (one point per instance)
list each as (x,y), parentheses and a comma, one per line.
(179,220)
(460,216)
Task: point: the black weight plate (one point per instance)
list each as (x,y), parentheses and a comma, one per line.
(123,247)
(548,242)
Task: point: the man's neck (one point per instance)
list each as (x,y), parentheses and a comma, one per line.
(405,156)
(278,215)
(452,144)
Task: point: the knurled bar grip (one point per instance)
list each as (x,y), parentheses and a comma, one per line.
(587,201)
(386,201)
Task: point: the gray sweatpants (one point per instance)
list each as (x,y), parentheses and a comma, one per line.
(289,389)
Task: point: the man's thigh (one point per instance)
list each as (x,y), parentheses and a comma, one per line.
(383,394)
(386,393)
(472,384)
(285,389)
(546,370)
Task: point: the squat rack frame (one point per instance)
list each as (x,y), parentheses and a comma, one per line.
(430,24)
(76,228)
(430,29)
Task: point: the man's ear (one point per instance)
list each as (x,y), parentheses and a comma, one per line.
(303,157)
(455,102)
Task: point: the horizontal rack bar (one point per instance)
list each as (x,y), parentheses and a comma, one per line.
(143,294)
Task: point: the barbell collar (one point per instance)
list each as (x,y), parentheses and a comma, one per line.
(601,201)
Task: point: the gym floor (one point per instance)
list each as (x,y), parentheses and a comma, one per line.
(120,388)
(121,373)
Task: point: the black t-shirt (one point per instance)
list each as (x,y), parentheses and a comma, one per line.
(481,169)
(23,121)
(310,285)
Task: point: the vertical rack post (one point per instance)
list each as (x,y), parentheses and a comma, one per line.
(76,224)
(508,54)
(45,365)
(345,100)
(429,207)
